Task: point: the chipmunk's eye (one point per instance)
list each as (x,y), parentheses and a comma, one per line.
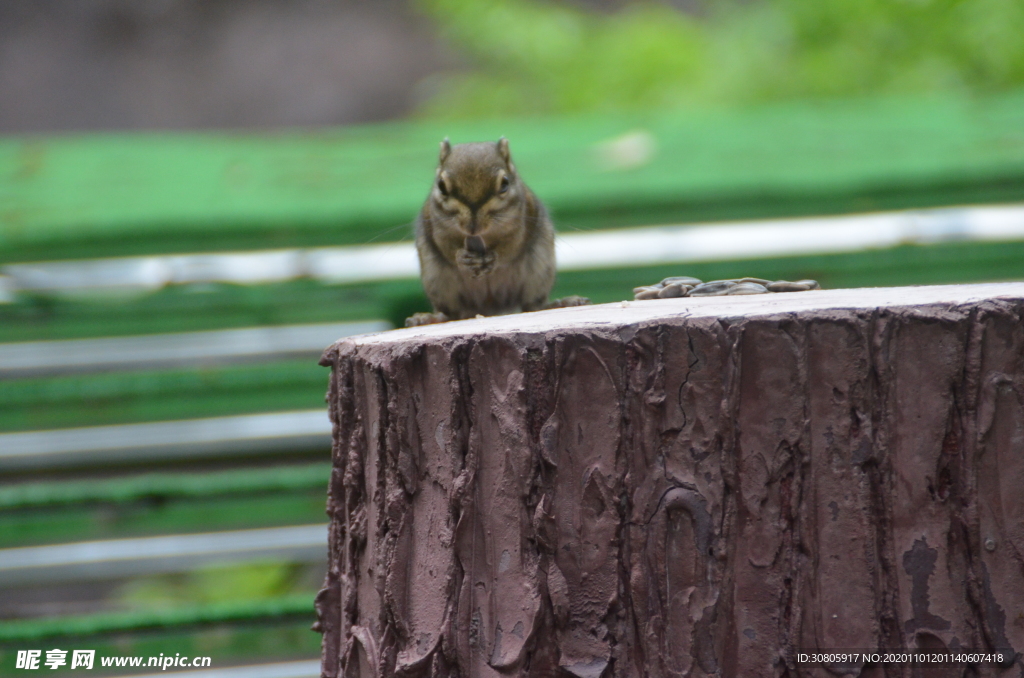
(503,186)
(442,187)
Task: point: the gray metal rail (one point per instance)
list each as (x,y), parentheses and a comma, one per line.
(38,358)
(159,441)
(116,558)
(576,251)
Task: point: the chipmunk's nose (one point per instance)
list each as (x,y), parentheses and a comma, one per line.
(475,244)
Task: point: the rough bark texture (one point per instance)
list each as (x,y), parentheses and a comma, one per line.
(681,487)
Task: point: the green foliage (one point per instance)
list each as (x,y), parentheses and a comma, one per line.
(213,585)
(540,56)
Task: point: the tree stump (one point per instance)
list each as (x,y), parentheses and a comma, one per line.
(681,487)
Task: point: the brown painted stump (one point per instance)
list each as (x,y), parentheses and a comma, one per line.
(681,487)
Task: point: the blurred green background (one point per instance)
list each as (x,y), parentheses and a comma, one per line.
(547,57)
(147,143)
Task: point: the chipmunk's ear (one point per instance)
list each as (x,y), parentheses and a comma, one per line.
(446,148)
(503,150)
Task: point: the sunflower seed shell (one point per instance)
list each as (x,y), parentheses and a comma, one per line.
(786,286)
(683,280)
(649,293)
(712,289)
(747,288)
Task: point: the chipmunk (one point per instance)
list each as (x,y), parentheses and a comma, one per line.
(485,242)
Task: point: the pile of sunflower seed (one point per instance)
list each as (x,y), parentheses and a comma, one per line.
(684,286)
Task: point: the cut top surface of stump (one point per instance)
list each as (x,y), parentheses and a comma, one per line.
(621,314)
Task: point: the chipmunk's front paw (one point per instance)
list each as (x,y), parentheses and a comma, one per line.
(417,319)
(683,286)
(566,302)
(477,263)
(476,257)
